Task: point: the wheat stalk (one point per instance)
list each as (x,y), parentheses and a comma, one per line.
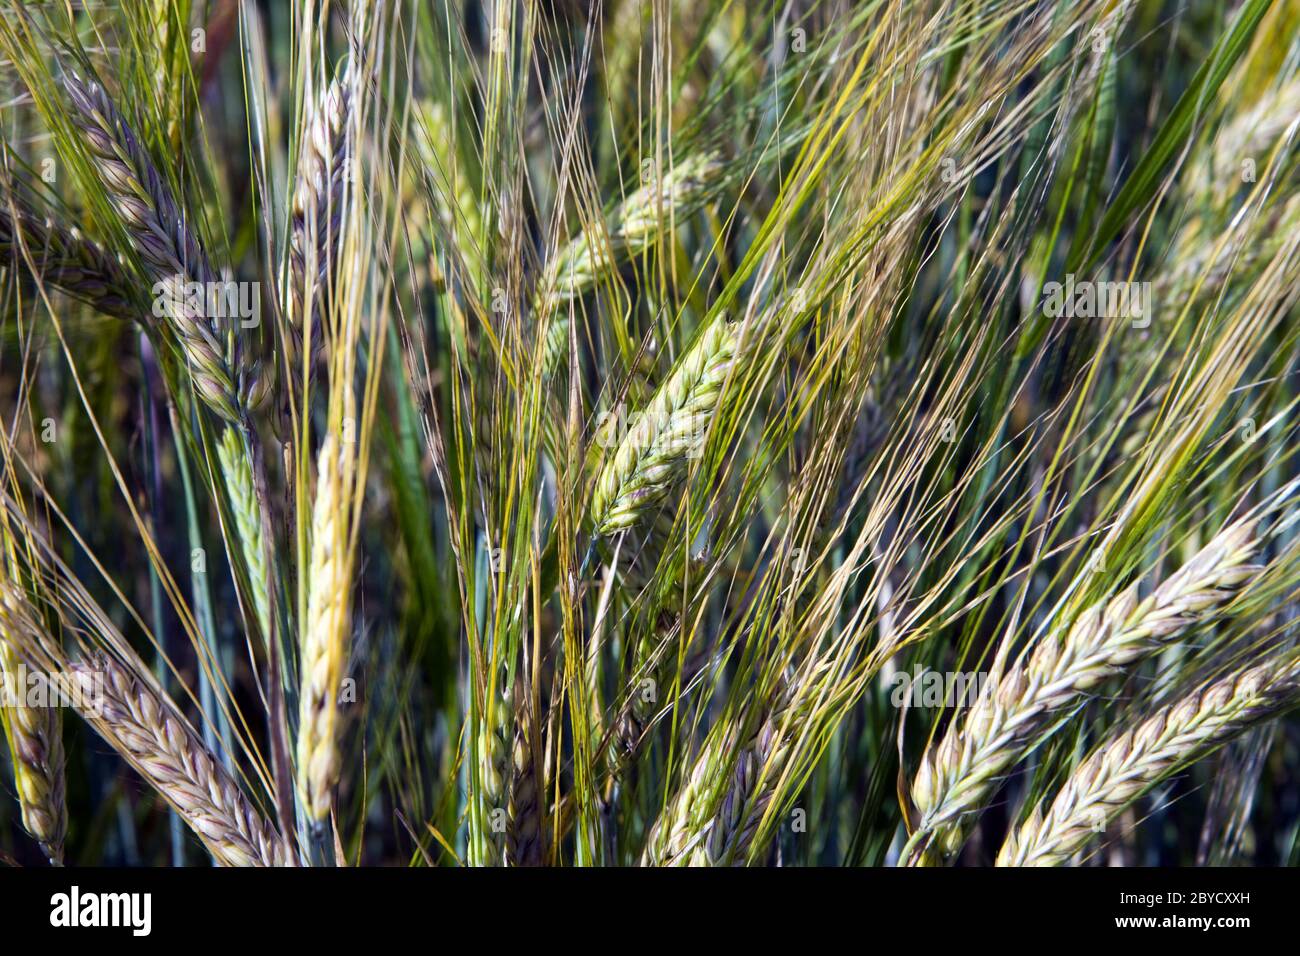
(67,260)
(155,739)
(326,633)
(168,249)
(1124,767)
(957,777)
(670,431)
(629,231)
(248,522)
(35,746)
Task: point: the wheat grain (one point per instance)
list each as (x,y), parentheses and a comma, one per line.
(167,248)
(326,633)
(670,431)
(957,777)
(1124,767)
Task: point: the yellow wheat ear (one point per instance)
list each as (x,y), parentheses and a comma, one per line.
(35,740)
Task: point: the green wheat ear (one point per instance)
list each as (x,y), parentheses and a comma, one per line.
(629,231)
(656,452)
(957,778)
(1137,758)
(248,522)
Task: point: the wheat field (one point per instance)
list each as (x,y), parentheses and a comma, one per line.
(649,433)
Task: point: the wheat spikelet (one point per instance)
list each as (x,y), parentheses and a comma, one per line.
(318,198)
(630,230)
(168,250)
(326,633)
(35,747)
(670,431)
(248,522)
(67,260)
(958,776)
(155,739)
(1123,768)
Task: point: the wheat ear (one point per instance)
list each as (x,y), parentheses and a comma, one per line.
(956,778)
(168,249)
(524,813)
(495,760)
(705,825)
(629,231)
(714,819)
(35,747)
(649,664)
(671,430)
(326,637)
(66,260)
(248,522)
(456,204)
(317,213)
(155,739)
(1123,768)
